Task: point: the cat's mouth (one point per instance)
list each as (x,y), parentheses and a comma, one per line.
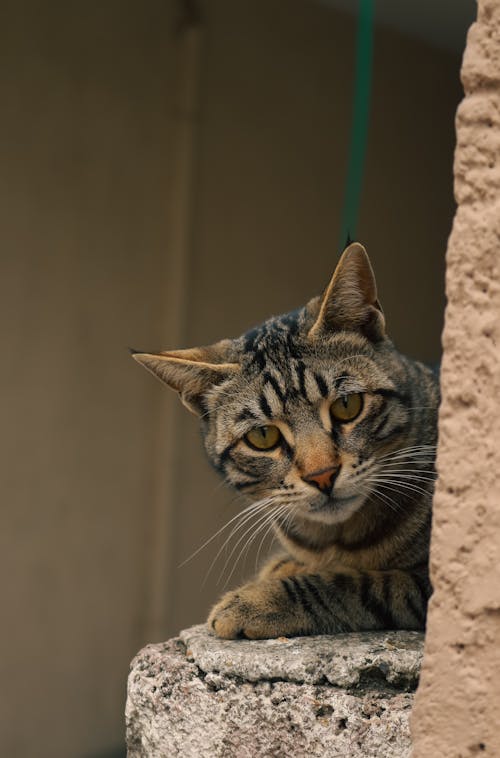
(333,501)
(334,508)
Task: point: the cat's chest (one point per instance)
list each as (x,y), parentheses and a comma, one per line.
(333,556)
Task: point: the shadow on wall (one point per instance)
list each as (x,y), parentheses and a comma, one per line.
(99,508)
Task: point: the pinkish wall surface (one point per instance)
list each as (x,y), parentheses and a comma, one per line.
(457,709)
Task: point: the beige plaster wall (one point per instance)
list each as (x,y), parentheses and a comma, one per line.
(85,92)
(457,712)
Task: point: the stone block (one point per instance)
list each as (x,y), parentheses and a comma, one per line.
(345,695)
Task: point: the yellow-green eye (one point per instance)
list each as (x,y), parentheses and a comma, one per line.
(263,437)
(346,408)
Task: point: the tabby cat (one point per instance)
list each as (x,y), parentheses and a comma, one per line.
(323,424)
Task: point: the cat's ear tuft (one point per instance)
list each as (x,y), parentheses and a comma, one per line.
(350,300)
(191,372)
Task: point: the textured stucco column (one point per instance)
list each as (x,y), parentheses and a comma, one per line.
(457,708)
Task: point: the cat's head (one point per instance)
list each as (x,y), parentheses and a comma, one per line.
(296,409)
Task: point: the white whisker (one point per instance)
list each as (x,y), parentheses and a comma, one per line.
(397,485)
(415,450)
(400,475)
(257,527)
(262,505)
(250,507)
(394,506)
(291,509)
(262,517)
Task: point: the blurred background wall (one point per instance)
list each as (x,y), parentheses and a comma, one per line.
(172,173)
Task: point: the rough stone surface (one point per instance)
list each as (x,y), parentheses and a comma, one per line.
(458,701)
(344,660)
(345,695)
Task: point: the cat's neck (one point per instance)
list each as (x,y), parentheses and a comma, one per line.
(373,538)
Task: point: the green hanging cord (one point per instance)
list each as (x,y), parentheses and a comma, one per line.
(359,131)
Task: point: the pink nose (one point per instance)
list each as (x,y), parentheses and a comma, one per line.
(324,479)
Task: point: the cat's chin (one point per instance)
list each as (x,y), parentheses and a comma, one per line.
(334,510)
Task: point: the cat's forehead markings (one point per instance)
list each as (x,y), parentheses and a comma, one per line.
(275,379)
(274,402)
(348,382)
(272,340)
(304,382)
(245,415)
(312,387)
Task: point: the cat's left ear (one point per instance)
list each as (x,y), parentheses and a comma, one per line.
(350,301)
(191,372)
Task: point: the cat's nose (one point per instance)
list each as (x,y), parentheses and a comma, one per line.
(324,479)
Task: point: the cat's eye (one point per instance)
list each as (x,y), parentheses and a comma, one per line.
(263,437)
(347,407)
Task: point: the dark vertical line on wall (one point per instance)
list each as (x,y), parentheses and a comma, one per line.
(360,120)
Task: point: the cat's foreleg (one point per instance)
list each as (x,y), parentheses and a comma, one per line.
(280,567)
(323,603)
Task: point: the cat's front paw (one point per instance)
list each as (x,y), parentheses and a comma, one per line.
(255,611)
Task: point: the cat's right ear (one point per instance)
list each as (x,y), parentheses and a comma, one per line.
(190,372)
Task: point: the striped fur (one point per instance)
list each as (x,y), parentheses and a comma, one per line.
(354,558)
